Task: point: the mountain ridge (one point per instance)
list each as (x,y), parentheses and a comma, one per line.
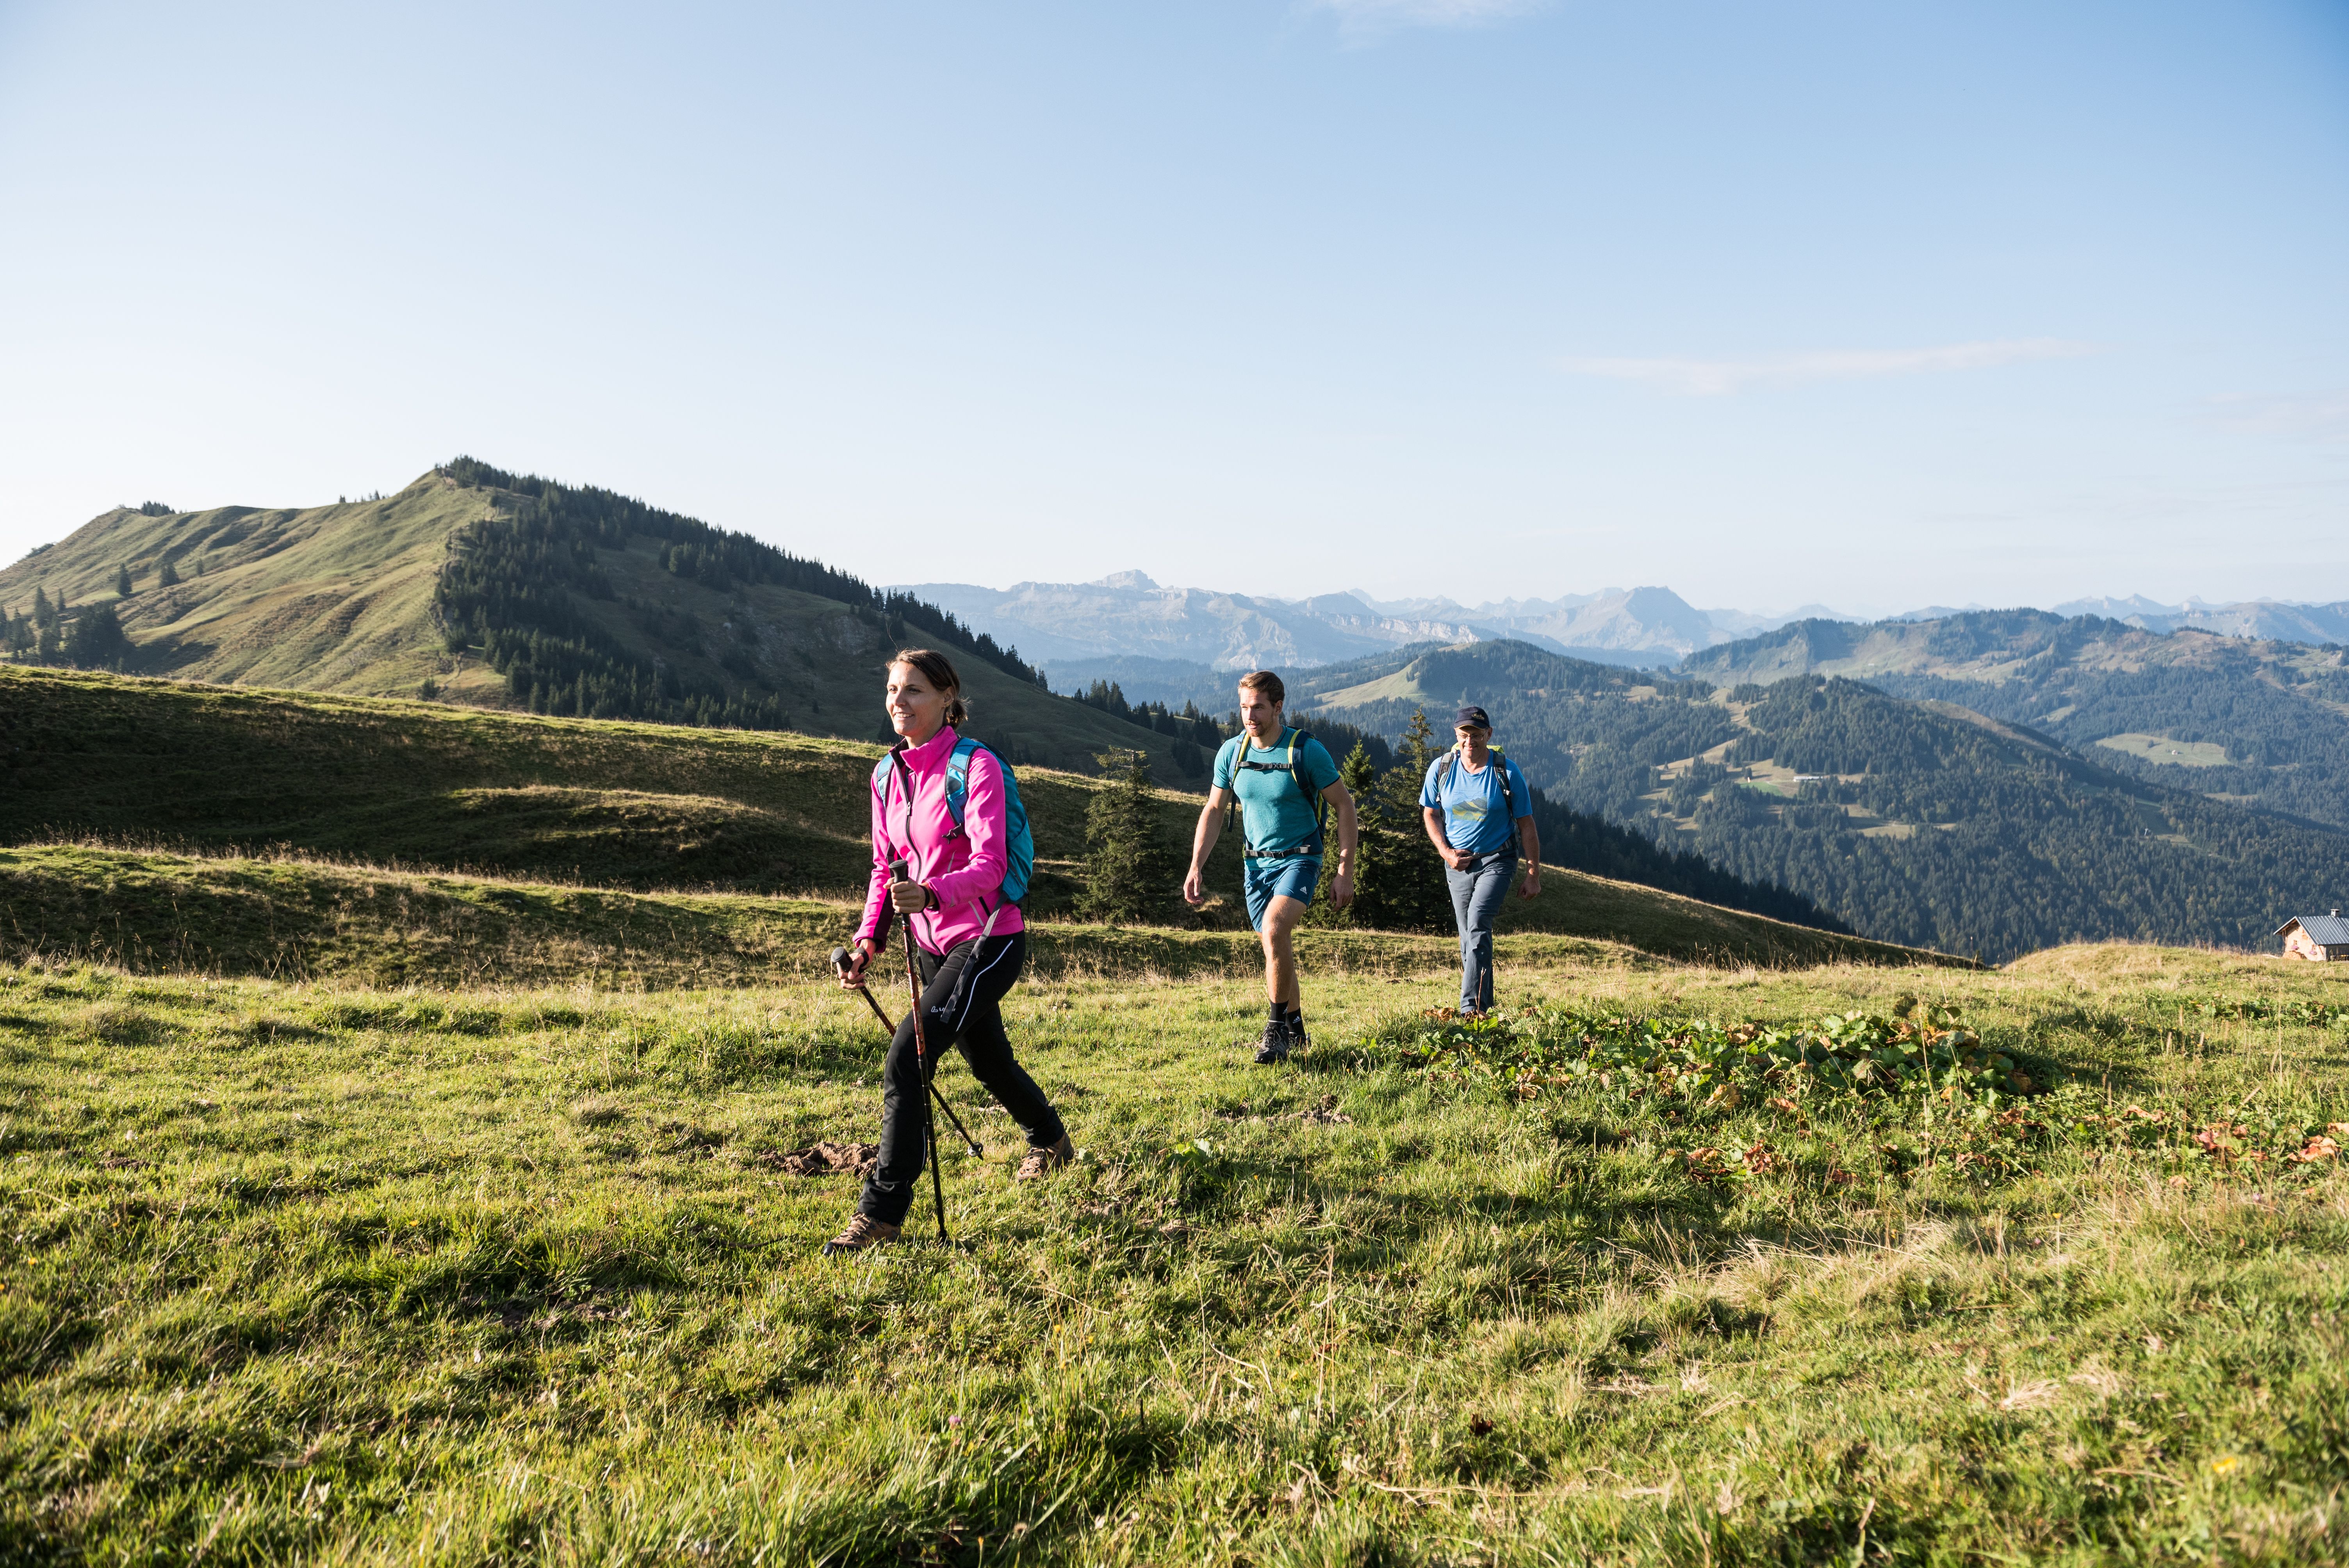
(2261,722)
(478,587)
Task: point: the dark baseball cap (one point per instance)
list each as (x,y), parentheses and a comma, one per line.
(1475,715)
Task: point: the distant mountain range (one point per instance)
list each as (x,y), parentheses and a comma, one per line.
(2270,619)
(1164,643)
(1072,627)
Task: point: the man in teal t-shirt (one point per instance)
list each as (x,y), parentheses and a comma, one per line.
(1287,785)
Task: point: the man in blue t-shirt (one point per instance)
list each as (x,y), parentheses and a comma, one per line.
(1480,814)
(1287,786)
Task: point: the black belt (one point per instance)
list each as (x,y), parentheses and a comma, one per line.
(1478,862)
(1279,854)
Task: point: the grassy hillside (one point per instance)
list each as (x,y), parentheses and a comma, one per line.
(286,917)
(354,599)
(323,1274)
(333,598)
(2256,723)
(596,803)
(600,802)
(1921,821)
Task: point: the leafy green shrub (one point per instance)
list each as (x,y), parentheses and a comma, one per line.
(1853,1055)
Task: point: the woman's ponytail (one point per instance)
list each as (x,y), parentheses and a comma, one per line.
(934,669)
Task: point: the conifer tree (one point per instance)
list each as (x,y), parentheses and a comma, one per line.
(123,586)
(1413,893)
(45,615)
(169,577)
(1373,848)
(1129,870)
(95,640)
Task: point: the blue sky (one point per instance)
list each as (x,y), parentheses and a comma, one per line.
(1874,305)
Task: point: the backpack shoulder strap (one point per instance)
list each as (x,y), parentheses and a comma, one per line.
(1297,739)
(959,775)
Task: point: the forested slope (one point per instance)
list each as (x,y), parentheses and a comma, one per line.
(1937,827)
(2257,723)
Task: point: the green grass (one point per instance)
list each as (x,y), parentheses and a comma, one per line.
(2161,748)
(292,918)
(340,1275)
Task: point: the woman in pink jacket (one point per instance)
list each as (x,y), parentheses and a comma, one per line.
(969,943)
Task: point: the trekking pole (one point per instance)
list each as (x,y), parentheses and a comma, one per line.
(840,961)
(922,1060)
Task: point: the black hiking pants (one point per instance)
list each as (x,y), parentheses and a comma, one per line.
(962,995)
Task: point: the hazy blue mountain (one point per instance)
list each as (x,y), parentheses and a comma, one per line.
(1129,615)
(1070,627)
(2274,620)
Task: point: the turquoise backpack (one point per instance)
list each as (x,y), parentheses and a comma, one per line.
(1019,850)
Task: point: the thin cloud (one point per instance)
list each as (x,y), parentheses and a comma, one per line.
(1723,377)
(1369,16)
(2307,416)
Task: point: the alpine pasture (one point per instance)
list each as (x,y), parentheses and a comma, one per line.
(404,1212)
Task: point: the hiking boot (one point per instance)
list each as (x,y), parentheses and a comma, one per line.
(863,1232)
(1276,1043)
(1043,1162)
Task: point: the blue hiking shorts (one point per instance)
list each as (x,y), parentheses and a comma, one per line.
(1293,876)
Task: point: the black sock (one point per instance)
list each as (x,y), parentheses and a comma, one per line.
(1276,1012)
(1296,1019)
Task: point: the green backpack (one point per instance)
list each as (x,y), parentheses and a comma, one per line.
(1294,768)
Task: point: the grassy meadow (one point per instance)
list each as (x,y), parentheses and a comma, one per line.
(323,1272)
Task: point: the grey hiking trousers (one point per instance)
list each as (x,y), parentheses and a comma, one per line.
(1476,895)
